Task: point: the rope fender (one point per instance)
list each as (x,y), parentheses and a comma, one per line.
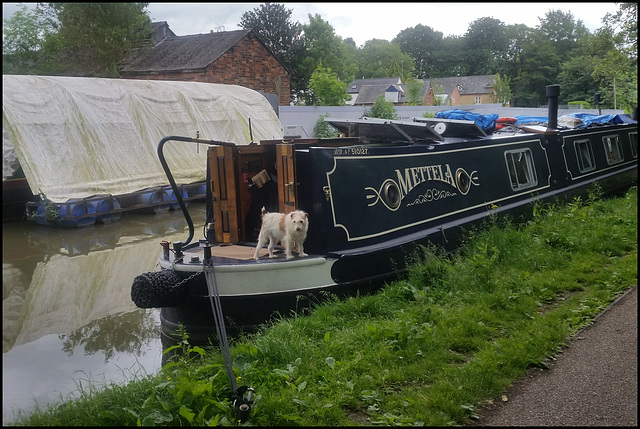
(158,289)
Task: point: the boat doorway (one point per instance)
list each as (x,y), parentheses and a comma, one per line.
(243,180)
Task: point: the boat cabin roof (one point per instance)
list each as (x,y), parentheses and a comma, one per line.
(432,130)
(445,130)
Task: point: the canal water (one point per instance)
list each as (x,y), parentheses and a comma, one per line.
(68,322)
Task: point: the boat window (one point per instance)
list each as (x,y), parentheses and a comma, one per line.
(613,149)
(521,169)
(633,139)
(584,153)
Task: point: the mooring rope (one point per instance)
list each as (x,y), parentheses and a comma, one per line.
(216,307)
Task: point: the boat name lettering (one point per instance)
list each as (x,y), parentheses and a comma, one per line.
(351,151)
(416,175)
(392,192)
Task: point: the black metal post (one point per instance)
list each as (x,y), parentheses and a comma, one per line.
(553,91)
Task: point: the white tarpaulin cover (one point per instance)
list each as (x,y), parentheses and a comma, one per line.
(77,137)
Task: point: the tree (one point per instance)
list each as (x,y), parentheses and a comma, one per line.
(615,73)
(562,30)
(326,89)
(502,86)
(23,40)
(381,58)
(322,129)
(91,39)
(450,59)
(486,45)
(323,47)
(624,23)
(415,94)
(438,92)
(382,109)
(576,75)
(538,67)
(272,23)
(518,35)
(576,79)
(421,43)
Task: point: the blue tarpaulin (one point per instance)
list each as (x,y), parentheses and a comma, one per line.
(589,119)
(527,119)
(586,118)
(486,122)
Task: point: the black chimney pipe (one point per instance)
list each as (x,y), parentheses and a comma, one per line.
(553,91)
(596,98)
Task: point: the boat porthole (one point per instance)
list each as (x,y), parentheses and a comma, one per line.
(392,196)
(463,181)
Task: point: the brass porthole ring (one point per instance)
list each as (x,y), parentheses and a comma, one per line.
(392,195)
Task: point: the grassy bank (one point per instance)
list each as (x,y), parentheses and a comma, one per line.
(426,350)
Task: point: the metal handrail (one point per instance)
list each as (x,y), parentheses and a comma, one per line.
(172,182)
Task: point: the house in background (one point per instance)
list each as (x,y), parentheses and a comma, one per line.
(364,92)
(459,90)
(447,91)
(227,57)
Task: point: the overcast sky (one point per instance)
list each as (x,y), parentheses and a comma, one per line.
(366,21)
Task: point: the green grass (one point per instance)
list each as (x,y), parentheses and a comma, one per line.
(428,349)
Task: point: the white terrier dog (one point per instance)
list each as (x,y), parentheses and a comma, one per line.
(290,229)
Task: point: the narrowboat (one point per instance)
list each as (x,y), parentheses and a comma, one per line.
(373,197)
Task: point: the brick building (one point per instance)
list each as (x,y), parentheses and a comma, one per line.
(459,90)
(227,57)
(445,91)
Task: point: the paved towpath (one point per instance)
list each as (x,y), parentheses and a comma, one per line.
(594,382)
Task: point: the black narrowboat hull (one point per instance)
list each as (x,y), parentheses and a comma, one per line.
(371,206)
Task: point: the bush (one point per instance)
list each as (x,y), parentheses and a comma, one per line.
(323,129)
(584,104)
(382,109)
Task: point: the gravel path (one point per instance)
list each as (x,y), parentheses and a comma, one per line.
(594,382)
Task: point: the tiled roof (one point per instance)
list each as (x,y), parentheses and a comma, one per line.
(468,84)
(366,91)
(192,52)
(356,85)
(369,93)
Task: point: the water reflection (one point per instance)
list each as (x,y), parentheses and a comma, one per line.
(67,311)
(119,333)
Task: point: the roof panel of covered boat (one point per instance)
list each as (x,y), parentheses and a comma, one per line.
(77,137)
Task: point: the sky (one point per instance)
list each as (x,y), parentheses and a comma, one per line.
(366,21)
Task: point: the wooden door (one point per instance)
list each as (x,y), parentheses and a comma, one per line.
(285,165)
(225,195)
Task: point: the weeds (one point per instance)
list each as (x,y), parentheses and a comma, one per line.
(426,350)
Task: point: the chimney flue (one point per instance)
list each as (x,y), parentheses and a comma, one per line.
(553,91)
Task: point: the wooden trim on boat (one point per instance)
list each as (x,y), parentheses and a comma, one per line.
(285,165)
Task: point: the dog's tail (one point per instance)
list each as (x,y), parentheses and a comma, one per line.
(263,211)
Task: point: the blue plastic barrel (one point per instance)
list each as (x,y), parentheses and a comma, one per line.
(172,197)
(152,199)
(69,214)
(201,191)
(105,209)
